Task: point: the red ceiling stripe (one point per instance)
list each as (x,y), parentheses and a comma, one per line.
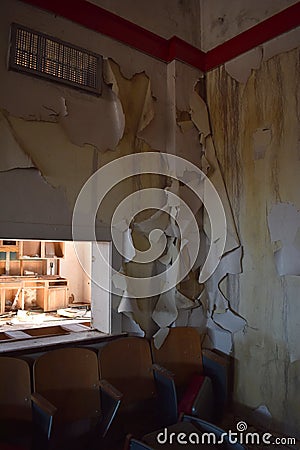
(109,24)
(181,50)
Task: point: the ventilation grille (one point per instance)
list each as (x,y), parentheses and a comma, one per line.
(48,57)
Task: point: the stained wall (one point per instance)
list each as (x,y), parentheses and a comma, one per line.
(53,138)
(256,133)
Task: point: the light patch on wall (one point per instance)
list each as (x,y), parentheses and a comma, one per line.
(241,67)
(62,164)
(284,225)
(100,123)
(199,114)
(229,321)
(12,154)
(25,192)
(218,338)
(216,178)
(261,141)
(283,43)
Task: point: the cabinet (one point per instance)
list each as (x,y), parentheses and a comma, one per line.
(9,246)
(26,278)
(49,293)
(57,298)
(9,257)
(41,249)
(20,257)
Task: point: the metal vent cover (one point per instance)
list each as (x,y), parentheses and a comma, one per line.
(38,54)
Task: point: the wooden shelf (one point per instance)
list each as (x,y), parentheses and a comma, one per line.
(41,249)
(29,255)
(50,294)
(9,246)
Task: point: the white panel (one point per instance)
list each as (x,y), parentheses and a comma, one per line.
(100,285)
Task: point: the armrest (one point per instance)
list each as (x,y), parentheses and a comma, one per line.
(166,393)
(163,371)
(216,357)
(110,402)
(43,412)
(217,367)
(43,403)
(109,389)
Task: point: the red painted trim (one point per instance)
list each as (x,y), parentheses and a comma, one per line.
(109,24)
(270,28)
(181,50)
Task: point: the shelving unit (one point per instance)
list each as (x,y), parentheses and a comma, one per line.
(32,256)
(50,293)
(23,270)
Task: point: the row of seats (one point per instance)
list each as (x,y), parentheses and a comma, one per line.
(94,400)
(64,402)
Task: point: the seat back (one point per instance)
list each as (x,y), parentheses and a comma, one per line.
(127,364)
(69,379)
(180,353)
(15,390)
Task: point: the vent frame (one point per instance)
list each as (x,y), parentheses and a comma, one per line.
(87,77)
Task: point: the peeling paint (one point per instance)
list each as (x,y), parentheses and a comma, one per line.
(61,163)
(261,141)
(12,154)
(268,347)
(284,43)
(240,68)
(284,226)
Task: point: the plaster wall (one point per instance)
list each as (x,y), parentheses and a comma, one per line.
(166,18)
(222,20)
(54,137)
(261,174)
(204,24)
(70,268)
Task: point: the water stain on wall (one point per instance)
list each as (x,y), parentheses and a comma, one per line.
(264,298)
